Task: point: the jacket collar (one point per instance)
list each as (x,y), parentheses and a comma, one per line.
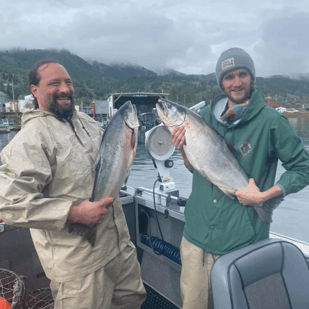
(29,114)
(256,104)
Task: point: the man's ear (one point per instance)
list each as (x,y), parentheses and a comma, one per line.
(33,90)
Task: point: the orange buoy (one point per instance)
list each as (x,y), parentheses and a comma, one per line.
(4,304)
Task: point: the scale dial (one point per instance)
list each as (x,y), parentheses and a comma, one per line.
(158,143)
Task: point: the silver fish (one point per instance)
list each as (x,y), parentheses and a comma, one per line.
(117,152)
(114,161)
(209,154)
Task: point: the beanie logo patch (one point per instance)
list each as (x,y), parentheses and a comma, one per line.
(227,63)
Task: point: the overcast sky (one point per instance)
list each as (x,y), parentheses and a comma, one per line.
(187,37)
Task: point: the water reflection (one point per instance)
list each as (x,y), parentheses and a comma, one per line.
(292,215)
(301,127)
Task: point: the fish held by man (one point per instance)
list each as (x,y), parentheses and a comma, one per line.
(114,161)
(210,155)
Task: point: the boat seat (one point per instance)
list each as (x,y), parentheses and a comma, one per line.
(271,274)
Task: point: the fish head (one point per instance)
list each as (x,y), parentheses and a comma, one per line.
(129,115)
(170,113)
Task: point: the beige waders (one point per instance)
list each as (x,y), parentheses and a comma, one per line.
(116,285)
(195,276)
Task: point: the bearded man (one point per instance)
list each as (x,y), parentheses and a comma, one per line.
(47,178)
(216,224)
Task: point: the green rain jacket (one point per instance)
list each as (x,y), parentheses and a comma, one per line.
(47,168)
(218,224)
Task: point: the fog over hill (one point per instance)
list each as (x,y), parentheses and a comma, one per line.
(96,80)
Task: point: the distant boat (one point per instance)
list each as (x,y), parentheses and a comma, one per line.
(292,110)
(286,110)
(5,126)
(281,110)
(7,122)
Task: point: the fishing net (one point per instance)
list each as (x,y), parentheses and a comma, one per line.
(40,299)
(12,290)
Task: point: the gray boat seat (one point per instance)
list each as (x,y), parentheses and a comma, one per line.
(271,274)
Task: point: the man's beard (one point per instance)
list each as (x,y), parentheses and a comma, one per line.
(245,98)
(59,110)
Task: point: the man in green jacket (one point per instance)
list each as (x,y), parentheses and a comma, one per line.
(216,224)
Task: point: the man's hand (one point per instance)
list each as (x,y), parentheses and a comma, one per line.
(90,212)
(178,137)
(251,195)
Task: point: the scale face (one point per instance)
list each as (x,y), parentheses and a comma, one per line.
(158,143)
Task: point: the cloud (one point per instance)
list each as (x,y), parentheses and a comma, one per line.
(187,37)
(284,45)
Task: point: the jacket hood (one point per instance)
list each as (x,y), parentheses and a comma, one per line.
(29,114)
(256,104)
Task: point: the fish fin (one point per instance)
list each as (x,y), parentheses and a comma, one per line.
(224,189)
(97,163)
(97,170)
(125,181)
(265,210)
(88,232)
(230,146)
(228,193)
(134,138)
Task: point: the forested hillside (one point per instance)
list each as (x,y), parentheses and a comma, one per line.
(97,80)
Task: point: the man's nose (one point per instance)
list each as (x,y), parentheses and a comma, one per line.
(237,81)
(64,88)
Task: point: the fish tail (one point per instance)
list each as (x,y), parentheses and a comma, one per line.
(264,213)
(265,210)
(88,232)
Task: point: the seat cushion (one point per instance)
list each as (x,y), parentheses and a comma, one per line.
(271,274)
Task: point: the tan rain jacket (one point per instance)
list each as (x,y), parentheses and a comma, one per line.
(47,168)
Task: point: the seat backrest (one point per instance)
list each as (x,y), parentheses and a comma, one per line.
(271,274)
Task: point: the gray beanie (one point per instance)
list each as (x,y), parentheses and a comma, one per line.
(232,59)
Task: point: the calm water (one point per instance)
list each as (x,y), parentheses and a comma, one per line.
(291,218)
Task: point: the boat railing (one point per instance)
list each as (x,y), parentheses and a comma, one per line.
(303,246)
(166,200)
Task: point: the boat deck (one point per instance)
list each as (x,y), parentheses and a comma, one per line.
(155,300)
(43,299)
